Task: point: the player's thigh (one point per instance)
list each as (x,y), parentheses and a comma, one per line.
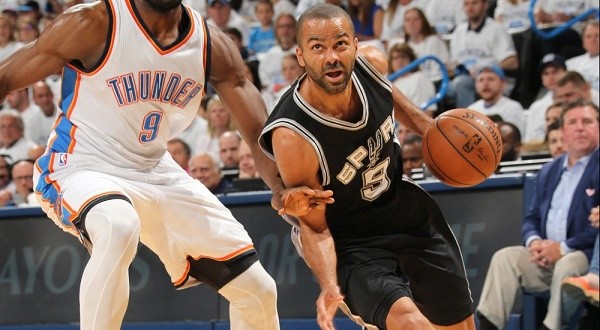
(188,221)
(372,287)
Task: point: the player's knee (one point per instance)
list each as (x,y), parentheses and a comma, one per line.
(404,314)
(115,221)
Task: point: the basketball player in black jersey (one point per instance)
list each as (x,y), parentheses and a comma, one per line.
(383,249)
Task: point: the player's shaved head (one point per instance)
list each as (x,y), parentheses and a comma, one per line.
(323,11)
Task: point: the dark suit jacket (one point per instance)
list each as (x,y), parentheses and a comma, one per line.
(580,234)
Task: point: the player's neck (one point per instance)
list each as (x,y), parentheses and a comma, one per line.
(163,26)
(343,105)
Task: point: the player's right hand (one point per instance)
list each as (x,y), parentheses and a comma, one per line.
(299,201)
(327,305)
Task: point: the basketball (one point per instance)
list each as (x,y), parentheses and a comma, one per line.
(462,148)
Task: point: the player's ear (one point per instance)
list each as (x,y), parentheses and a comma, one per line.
(355,44)
(300,56)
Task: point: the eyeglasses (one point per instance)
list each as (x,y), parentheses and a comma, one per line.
(24,177)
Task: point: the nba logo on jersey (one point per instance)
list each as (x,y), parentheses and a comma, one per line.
(62,159)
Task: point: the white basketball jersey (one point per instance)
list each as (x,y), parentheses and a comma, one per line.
(124,110)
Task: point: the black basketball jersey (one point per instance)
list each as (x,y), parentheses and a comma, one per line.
(359,161)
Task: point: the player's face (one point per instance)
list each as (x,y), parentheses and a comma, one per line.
(580,130)
(163,6)
(489,86)
(327,51)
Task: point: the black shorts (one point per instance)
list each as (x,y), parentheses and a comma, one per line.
(424,264)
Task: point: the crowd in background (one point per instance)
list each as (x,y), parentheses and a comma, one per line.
(495,62)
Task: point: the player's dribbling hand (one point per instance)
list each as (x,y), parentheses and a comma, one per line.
(299,201)
(327,305)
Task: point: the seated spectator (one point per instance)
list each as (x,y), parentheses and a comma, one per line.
(42,122)
(27,30)
(552,67)
(6,183)
(290,71)
(513,14)
(554,140)
(489,84)
(414,84)
(283,6)
(198,129)
(236,36)
(262,35)
(553,113)
(445,15)
(221,15)
(219,121)
(511,141)
(424,40)
(587,64)
(555,12)
(22,175)
(557,237)
(8,44)
(367,17)
(204,168)
(229,145)
(393,17)
(180,151)
(411,154)
(20,101)
(571,87)
(479,42)
(12,140)
(285,35)
(585,288)
(247,167)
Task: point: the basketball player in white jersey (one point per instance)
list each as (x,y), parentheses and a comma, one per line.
(134,72)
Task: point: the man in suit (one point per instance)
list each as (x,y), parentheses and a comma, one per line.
(557,237)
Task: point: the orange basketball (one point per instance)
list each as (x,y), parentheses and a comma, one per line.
(462,148)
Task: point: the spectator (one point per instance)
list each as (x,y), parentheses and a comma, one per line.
(40,125)
(414,84)
(283,7)
(479,42)
(222,16)
(204,168)
(513,14)
(587,64)
(554,140)
(22,175)
(557,12)
(557,237)
(247,166)
(411,154)
(367,18)
(392,30)
(553,113)
(511,141)
(285,34)
(571,87)
(552,67)
(30,9)
(445,15)
(19,100)
(6,183)
(219,121)
(236,36)
(12,141)
(290,71)
(229,146)
(403,132)
(424,40)
(303,5)
(27,30)
(489,84)
(8,45)
(262,35)
(180,151)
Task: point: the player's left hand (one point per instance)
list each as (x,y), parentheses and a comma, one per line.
(299,201)
(327,305)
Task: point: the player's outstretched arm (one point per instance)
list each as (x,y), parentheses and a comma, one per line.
(405,111)
(78,34)
(300,168)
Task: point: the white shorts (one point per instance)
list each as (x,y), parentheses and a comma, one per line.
(179,216)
